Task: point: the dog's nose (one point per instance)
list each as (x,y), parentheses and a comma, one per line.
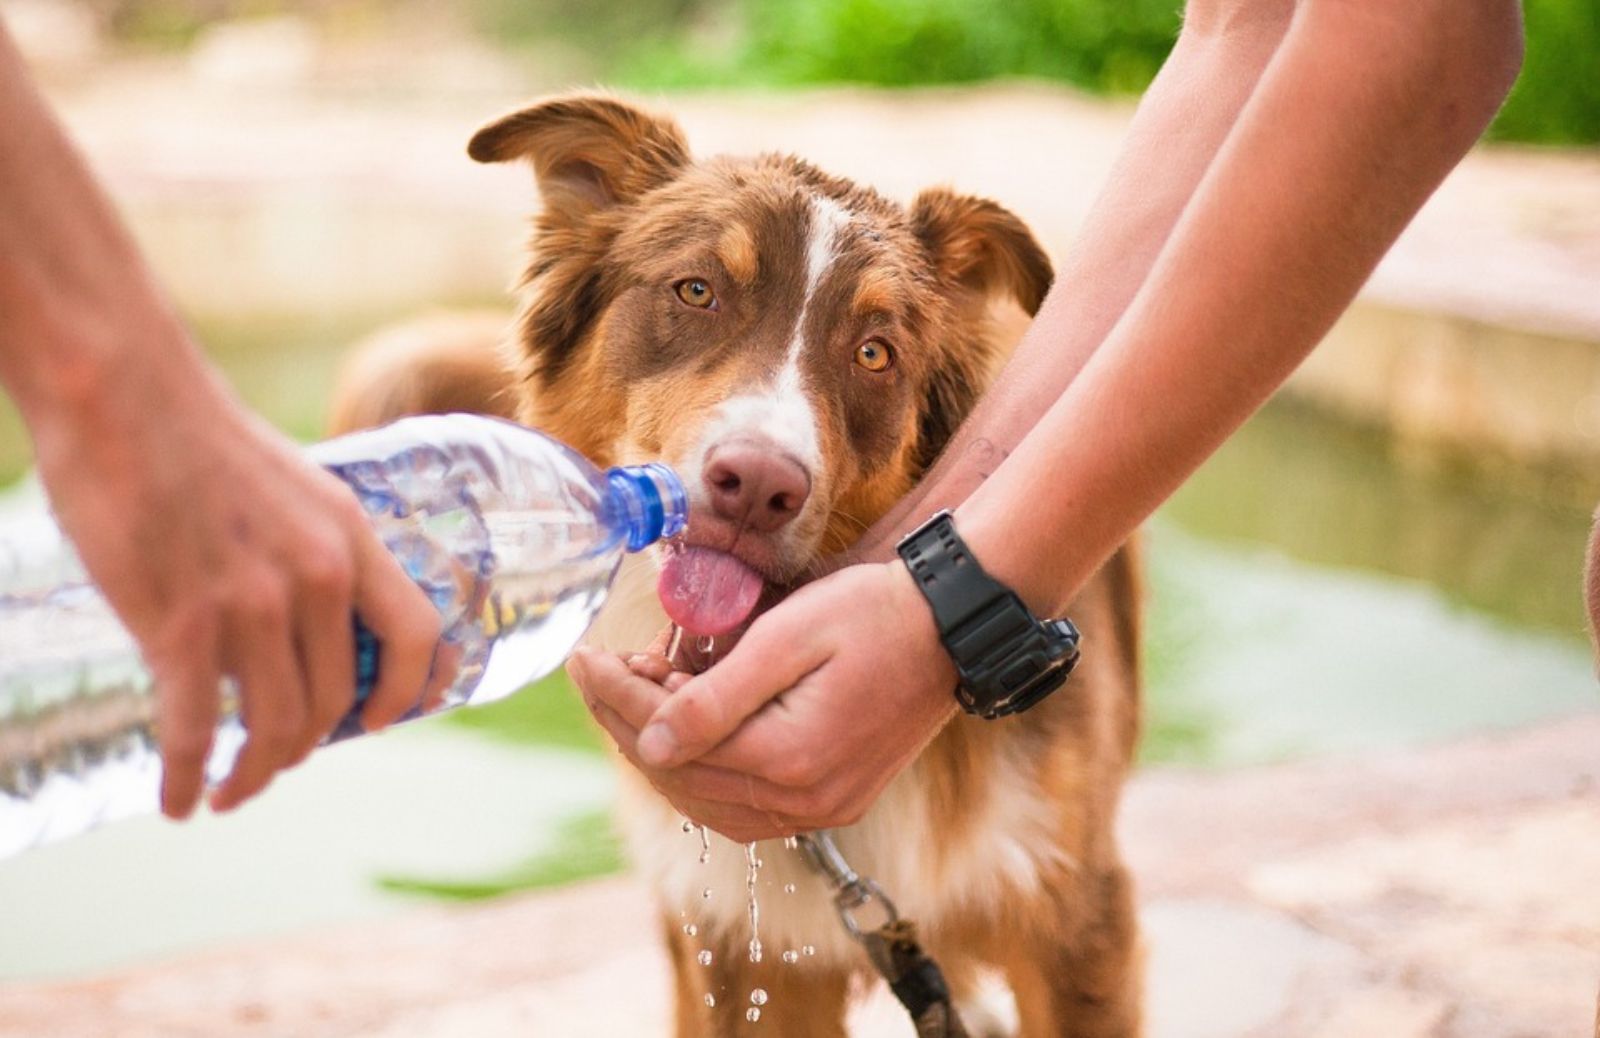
(755,484)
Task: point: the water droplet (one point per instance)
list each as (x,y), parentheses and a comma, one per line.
(791,843)
(704,958)
(688,826)
(788,888)
(760,862)
(758,997)
(711,1001)
(705,643)
(791,956)
(751,864)
(752,1014)
(705,856)
(806,949)
(706,893)
(690,929)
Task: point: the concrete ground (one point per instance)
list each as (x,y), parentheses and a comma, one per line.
(1441,893)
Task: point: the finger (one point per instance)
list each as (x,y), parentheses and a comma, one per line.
(327,652)
(661,642)
(187,701)
(407,628)
(697,783)
(623,734)
(768,660)
(623,703)
(604,678)
(446,668)
(724,800)
(649,665)
(272,698)
(744,826)
(605,681)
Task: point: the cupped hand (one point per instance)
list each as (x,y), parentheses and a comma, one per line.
(824,700)
(227,554)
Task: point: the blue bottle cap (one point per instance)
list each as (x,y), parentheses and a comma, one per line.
(651,502)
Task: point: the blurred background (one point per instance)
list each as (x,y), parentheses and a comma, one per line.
(1387,558)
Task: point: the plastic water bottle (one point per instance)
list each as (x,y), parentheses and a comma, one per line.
(514,537)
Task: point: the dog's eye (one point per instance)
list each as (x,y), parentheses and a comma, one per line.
(696,293)
(874,355)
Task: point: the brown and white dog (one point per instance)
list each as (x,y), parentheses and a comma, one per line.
(801,349)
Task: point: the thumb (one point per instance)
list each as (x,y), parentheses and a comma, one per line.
(769,660)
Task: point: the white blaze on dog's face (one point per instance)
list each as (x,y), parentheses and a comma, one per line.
(797,347)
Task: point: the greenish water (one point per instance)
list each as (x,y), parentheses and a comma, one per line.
(1311,592)
(1508,543)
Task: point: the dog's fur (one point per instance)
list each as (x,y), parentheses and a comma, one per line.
(999,839)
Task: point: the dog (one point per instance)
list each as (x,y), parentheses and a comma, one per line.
(801,349)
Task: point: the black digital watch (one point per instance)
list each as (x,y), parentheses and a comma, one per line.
(1007,658)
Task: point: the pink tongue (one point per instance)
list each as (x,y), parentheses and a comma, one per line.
(706,591)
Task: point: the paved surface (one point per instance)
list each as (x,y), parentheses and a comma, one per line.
(1446,893)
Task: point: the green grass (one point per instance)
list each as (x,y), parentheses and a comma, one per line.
(585,847)
(548,713)
(15,453)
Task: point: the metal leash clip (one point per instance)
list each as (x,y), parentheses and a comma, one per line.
(892,947)
(851,890)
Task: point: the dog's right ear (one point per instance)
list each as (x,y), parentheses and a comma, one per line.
(588,151)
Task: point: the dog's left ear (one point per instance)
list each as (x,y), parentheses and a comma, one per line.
(982,250)
(589,151)
(982,246)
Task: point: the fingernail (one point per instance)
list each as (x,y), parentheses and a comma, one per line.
(578,665)
(657,745)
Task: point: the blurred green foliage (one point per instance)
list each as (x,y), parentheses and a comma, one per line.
(1112,46)
(1557,97)
(1106,46)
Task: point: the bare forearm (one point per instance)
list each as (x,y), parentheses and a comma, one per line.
(1181,122)
(78,307)
(1360,115)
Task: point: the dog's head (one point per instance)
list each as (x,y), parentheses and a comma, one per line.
(797,346)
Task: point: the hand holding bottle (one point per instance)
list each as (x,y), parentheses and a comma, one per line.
(226,553)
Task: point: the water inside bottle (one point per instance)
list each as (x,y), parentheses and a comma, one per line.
(516,580)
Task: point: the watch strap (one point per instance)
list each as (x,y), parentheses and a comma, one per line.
(1007,659)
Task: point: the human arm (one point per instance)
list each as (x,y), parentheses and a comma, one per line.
(221,549)
(1179,126)
(1363,111)
(1360,112)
